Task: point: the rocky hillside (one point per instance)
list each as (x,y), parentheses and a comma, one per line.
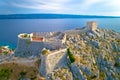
(97,57)
(5,52)
(92,55)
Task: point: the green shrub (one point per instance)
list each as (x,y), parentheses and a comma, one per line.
(25,35)
(117,64)
(71,56)
(44,51)
(33,78)
(5,74)
(22,75)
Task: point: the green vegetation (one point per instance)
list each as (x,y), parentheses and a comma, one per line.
(22,75)
(44,51)
(102,75)
(5,73)
(117,64)
(18,71)
(25,35)
(71,56)
(93,76)
(28,42)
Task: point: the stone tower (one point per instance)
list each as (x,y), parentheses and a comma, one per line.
(92,25)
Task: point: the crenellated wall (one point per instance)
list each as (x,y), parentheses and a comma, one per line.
(53,61)
(27,47)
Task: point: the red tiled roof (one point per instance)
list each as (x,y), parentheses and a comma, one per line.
(37,39)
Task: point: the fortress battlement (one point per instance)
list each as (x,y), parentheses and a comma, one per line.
(32,44)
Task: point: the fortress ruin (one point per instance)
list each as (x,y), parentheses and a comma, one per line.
(92,25)
(32,44)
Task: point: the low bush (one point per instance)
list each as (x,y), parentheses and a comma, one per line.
(117,64)
(44,51)
(5,74)
(71,56)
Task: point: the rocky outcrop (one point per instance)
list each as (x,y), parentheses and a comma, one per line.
(60,74)
(97,54)
(77,73)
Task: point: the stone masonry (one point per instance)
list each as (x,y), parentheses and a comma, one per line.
(53,61)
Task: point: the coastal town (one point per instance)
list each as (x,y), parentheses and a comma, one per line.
(79,54)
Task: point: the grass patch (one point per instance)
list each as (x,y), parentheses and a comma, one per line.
(15,71)
(5,73)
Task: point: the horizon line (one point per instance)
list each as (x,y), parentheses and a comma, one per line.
(61,14)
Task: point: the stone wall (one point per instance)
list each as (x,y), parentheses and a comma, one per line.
(92,25)
(27,48)
(42,34)
(53,61)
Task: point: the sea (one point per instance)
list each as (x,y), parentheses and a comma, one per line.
(10,28)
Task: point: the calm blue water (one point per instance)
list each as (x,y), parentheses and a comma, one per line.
(10,28)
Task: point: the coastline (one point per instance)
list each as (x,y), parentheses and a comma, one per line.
(10,45)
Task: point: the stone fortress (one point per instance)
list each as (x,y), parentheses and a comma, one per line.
(31,45)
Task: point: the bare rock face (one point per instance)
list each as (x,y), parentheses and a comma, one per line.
(60,74)
(96,58)
(97,54)
(77,74)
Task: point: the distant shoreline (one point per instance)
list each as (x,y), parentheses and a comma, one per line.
(51,16)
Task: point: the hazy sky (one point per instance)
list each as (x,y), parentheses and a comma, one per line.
(82,7)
